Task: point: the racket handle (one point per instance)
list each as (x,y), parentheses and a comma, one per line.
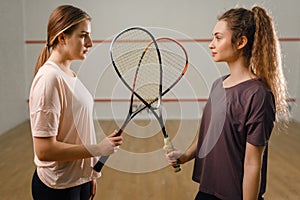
(100,163)
(171,148)
(119,133)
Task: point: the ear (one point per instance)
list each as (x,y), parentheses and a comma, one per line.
(61,38)
(242,42)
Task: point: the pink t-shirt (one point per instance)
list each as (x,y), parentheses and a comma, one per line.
(61,106)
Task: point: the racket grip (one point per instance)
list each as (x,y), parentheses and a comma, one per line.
(99,165)
(171,148)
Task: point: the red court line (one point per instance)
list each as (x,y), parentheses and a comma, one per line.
(289,39)
(291,100)
(180,40)
(167,100)
(164,100)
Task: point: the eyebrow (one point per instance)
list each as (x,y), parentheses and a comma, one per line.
(86,32)
(217,33)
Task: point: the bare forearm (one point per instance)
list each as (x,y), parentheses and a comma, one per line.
(189,154)
(251,182)
(252,169)
(59,151)
(49,149)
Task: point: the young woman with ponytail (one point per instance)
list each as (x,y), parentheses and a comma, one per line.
(61,117)
(250,98)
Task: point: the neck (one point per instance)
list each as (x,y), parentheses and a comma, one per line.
(239,69)
(239,72)
(64,64)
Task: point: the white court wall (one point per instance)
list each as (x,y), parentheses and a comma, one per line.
(190,19)
(13,105)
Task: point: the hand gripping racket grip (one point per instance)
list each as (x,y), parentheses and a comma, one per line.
(99,165)
(170,148)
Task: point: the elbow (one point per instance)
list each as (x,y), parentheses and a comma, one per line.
(43,155)
(43,148)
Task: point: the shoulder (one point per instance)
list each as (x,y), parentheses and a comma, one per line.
(258,89)
(219,81)
(48,72)
(48,75)
(260,96)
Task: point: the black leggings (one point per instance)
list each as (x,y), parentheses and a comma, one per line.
(204,196)
(40,191)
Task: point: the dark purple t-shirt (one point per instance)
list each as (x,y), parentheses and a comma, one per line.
(231,118)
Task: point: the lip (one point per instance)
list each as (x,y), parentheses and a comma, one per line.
(85,51)
(213,53)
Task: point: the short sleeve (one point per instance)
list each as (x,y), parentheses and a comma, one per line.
(261,117)
(44,105)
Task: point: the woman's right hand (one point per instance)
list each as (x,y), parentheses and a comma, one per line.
(110,144)
(173,156)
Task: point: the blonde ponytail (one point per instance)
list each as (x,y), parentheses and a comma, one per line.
(266,59)
(43,57)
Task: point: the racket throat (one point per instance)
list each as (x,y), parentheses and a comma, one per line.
(163,129)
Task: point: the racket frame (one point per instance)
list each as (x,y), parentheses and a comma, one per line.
(131,114)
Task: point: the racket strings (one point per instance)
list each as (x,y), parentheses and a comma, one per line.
(126,64)
(136,59)
(149,93)
(127,51)
(148,81)
(140,68)
(173,65)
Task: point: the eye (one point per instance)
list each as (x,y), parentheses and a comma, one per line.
(84,35)
(218,37)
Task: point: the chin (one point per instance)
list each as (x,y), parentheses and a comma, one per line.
(216,60)
(82,57)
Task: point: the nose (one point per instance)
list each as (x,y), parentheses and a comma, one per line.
(211,45)
(89,42)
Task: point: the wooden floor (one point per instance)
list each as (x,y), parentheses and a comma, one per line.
(17,166)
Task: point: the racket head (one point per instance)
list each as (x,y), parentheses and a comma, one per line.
(174,62)
(137,61)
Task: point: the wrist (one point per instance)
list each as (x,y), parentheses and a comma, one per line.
(93,150)
(181,159)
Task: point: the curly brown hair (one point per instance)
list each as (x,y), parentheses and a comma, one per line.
(262,52)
